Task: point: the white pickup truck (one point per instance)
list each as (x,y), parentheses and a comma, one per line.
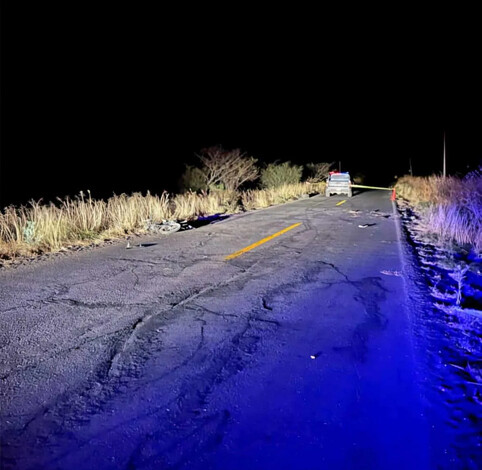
(338,183)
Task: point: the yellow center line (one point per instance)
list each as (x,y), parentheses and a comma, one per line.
(341,202)
(260,242)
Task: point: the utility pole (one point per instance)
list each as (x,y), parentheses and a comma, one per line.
(339,166)
(445,164)
(410,166)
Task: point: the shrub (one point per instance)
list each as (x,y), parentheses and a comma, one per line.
(193,179)
(275,174)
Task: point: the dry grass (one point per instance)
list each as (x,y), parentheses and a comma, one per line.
(39,228)
(418,190)
(452,207)
(257,199)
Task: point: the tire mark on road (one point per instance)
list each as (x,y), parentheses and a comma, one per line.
(146,319)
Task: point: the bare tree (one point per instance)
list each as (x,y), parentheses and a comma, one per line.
(318,171)
(229,168)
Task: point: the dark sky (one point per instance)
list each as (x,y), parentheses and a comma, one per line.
(116,99)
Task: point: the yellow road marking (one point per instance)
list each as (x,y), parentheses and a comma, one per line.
(260,242)
(341,202)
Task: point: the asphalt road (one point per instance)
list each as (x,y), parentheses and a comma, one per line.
(297,354)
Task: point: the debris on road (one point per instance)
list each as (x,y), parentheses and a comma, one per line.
(209,219)
(391,273)
(377,213)
(366,225)
(140,245)
(372,213)
(166,227)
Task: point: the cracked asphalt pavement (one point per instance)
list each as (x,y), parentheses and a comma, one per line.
(296,355)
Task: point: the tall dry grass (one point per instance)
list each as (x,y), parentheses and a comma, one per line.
(418,190)
(38,228)
(451,207)
(260,198)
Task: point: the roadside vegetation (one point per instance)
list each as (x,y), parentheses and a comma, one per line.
(225,182)
(451,207)
(276,175)
(443,219)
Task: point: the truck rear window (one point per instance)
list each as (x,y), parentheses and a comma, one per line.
(340,178)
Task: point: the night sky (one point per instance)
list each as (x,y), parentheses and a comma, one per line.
(118,100)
